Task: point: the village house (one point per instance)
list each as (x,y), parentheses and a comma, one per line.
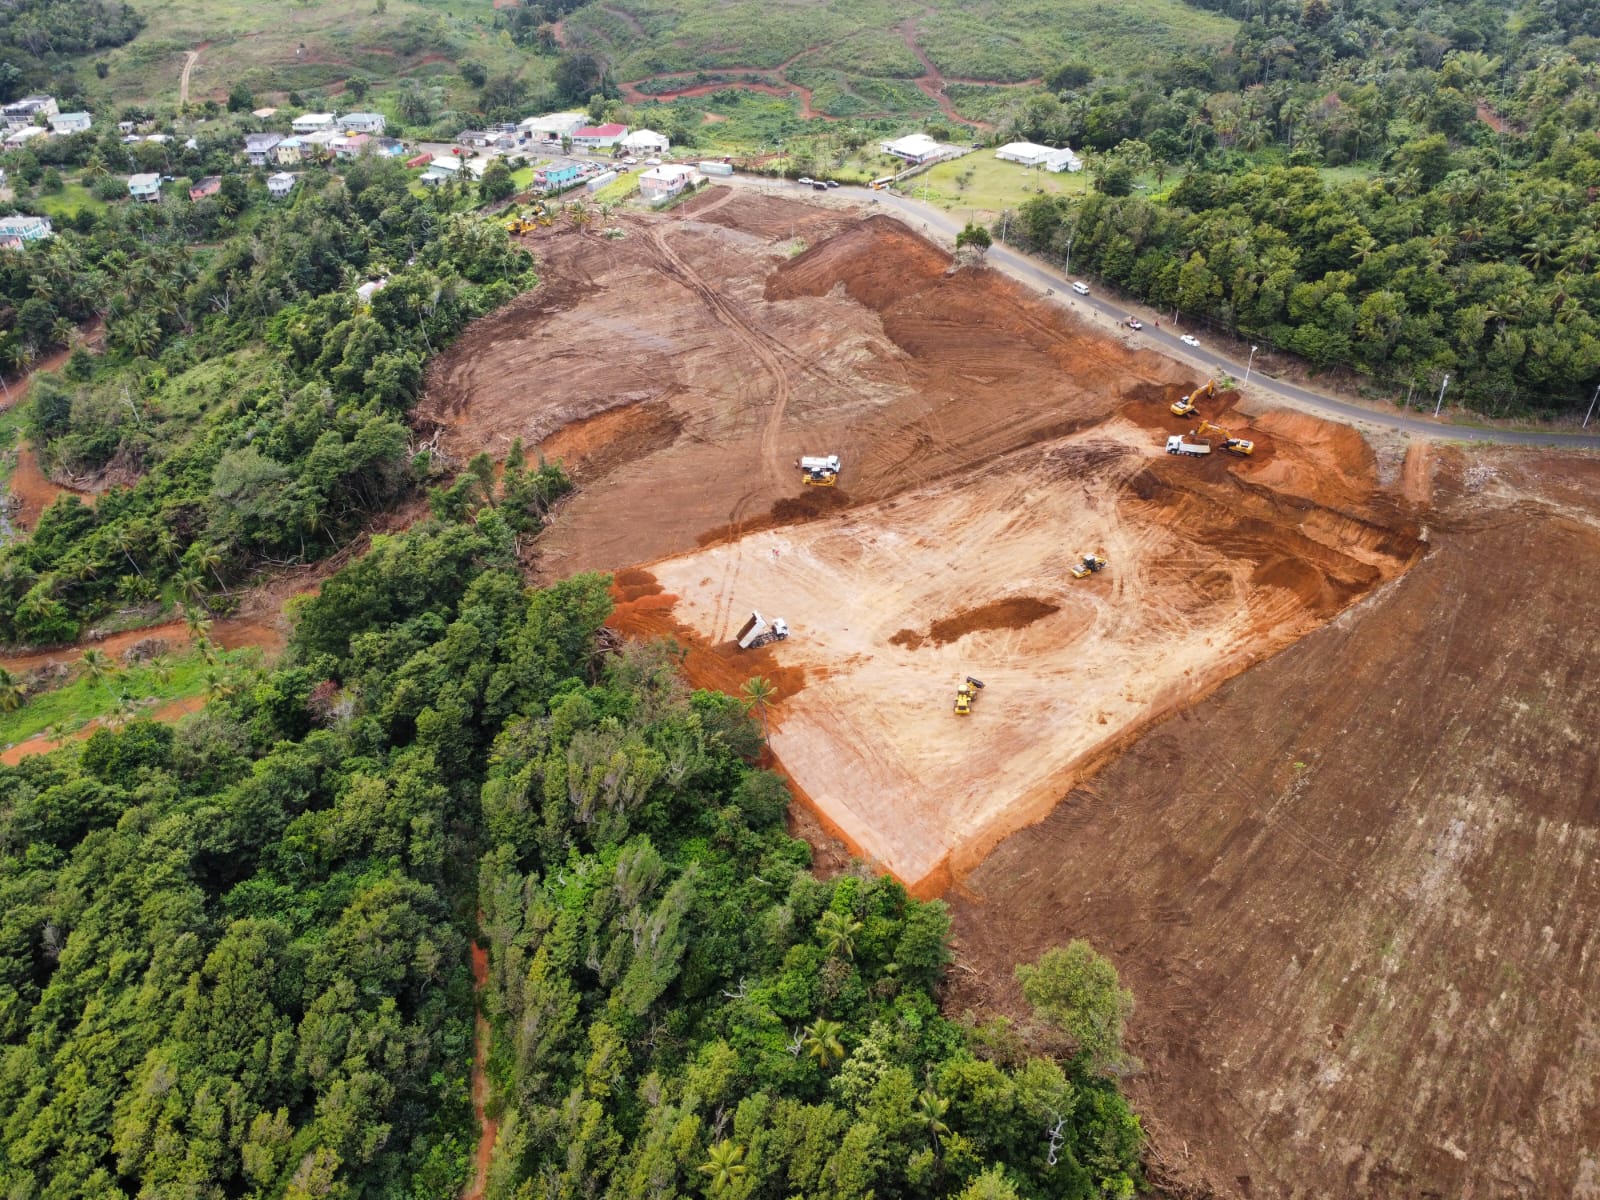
(662,183)
(145,186)
(645,141)
(1029,154)
(318,146)
(24,133)
(74,122)
(350,146)
(15,230)
(288,152)
(280,185)
(362,122)
(30,110)
(312,122)
(598,137)
(259,147)
(914,148)
(209,186)
(554,176)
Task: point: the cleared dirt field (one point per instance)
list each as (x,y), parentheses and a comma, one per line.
(1321,728)
(1355,891)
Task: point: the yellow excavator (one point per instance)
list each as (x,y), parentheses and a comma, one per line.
(1186,406)
(966,692)
(1230,443)
(1089,564)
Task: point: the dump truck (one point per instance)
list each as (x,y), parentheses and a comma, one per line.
(1186,406)
(1180,443)
(1230,443)
(758,631)
(1087,566)
(819,470)
(966,692)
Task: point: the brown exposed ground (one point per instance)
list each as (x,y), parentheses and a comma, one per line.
(1321,727)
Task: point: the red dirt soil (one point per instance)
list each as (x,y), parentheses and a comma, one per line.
(488,1127)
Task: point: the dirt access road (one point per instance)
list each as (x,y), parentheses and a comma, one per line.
(1352,885)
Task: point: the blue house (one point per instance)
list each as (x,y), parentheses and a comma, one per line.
(556,176)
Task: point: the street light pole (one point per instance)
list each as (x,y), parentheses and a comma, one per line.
(1590,413)
(1442,387)
(1249,363)
(1068,271)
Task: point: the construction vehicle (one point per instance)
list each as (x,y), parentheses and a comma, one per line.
(1179,443)
(966,693)
(1089,564)
(1186,406)
(758,631)
(819,470)
(1230,443)
(522,225)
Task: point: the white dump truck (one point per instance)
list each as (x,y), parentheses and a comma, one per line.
(758,631)
(819,470)
(1180,443)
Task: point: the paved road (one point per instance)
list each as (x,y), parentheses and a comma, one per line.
(1036,274)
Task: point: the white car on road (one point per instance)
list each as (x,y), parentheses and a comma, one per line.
(1189,339)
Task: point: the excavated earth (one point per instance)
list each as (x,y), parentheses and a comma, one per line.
(1306,759)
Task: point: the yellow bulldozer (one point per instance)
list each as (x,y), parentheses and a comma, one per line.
(1230,443)
(1087,566)
(522,225)
(966,692)
(1185,407)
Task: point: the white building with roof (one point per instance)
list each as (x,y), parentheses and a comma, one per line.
(73,122)
(1029,154)
(549,129)
(311,122)
(15,230)
(145,186)
(280,185)
(914,148)
(362,122)
(646,141)
(25,133)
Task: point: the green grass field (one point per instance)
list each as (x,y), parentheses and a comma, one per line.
(981,186)
(312,47)
(67,709)
(71,200)
(878,39)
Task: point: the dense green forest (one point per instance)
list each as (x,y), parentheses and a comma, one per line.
(233,955)
(1331,187)
(253,404)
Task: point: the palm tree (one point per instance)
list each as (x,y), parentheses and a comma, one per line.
(219,685)
(161,668)
(839,933)
(822,1042)
(724,1166)
(209,558)
(13,692)
(99,667)
(931,1108)
(758,696)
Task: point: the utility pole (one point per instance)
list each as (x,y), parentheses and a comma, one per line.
(1249,363)
(1590,413)
(1442,387)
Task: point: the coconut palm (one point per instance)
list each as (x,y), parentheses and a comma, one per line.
(838,932)
(97,665)
(13,692)
(931,1108)
(724,1166)
(822,1042)
(758,696)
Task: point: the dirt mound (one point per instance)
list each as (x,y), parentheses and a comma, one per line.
(878,262)
(1016,612)
(809,505)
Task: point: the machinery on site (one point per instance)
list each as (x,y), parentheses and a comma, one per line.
(1183,443)
(966,692)
(1230,443)
(1087,566)
(1185,407)
(819,470)
(758,631)
(523,224)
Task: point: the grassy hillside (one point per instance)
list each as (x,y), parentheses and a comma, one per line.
(976,39)
(278,48)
